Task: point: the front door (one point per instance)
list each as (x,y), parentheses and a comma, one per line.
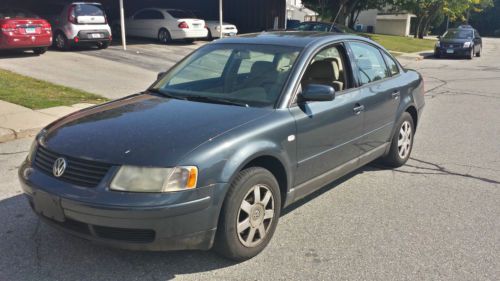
(328,131)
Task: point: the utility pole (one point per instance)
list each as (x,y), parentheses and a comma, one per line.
(122,24)
(220,19)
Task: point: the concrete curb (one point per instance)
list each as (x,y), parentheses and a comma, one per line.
(416,56)
(18,122)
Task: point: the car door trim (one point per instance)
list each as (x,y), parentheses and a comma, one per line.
(342,144)
(308,187)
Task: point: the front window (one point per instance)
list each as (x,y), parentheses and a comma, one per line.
(458,34)
(246,75)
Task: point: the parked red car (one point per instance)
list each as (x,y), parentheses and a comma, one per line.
(23,30)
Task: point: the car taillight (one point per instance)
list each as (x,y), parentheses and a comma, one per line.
(76,39)
(71,14)
(46,26)
(9,27)
(183,25)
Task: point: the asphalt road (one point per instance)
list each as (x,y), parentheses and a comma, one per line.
(437,218)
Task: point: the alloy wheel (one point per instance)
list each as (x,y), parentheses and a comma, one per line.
(255,215)
(405,140)
(60,41)
(164,37)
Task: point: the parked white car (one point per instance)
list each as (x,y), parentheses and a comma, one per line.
(214,29)
(165,25)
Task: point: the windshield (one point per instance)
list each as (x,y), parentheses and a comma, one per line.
(16,14)
(458,34)
(244,74)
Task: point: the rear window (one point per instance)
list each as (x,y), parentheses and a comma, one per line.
(16,14)
(88,10)
(180,14)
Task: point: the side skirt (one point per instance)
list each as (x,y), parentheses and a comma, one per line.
(308,187)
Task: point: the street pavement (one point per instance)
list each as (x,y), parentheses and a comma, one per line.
(437,218)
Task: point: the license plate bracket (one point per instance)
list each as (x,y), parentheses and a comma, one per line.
(450,51)
(30,30)
(96,35)
(48,206)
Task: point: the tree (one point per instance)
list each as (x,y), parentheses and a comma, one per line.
(340,10)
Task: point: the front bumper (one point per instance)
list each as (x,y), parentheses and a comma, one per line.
(452,51)
(187,221)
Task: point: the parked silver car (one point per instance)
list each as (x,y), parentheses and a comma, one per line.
(80,23)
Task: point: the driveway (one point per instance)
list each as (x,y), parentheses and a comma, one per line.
(112,73)
(437,218)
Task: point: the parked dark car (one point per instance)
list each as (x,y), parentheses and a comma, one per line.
(463,41)
(321,27)
(214,150)
(23,30)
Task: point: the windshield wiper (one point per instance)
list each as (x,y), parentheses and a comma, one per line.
(215,100)
(166,94)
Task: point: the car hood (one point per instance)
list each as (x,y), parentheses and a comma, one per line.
(144,130)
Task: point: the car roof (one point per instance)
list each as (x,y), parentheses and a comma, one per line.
(291,38)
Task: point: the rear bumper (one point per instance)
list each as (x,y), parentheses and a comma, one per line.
(188,222)
(189,34)
(25,42)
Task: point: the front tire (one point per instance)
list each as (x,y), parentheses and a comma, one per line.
(478,54)
(249,215)
(402,142)
(471,53)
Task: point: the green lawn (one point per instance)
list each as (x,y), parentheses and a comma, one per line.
(402,44)
(37,94)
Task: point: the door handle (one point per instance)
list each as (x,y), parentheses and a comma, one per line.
(358,109)
(396,95)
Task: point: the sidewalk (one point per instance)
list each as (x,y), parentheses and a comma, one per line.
(20,122)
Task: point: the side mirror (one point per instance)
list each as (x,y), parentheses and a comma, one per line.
(317,92)
(160,75)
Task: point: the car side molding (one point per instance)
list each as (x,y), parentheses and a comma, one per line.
(302,190)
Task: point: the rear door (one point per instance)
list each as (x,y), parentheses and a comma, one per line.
(380,92)
(328,132)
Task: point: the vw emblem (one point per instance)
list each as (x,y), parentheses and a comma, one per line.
(59,167)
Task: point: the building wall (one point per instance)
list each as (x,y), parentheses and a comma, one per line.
(368,17)
(393,27)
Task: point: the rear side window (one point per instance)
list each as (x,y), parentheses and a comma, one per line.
(370,64)
(180,14)
(393,66)
(88,10)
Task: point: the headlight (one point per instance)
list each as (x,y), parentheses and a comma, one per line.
(145,179)
(438,44)
(467,44)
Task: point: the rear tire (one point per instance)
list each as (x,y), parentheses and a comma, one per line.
(249,215)
(478,54)
(61,42)
(39,51)
(102,45)
(164,36)
(437,55)
(401,144)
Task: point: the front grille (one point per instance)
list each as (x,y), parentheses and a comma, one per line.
(112,233)
(78,171)
(125,234)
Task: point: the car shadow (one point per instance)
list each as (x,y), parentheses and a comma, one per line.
(14,54)
(33,250)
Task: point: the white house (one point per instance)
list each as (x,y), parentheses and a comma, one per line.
(384,22)
(295,10)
